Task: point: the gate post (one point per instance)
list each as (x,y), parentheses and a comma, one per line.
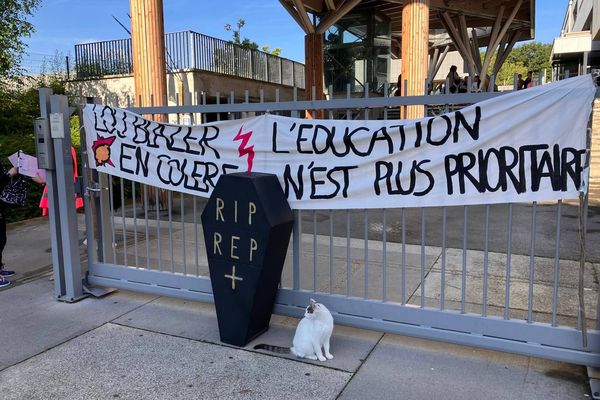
(61,195)
(54,226)
(96,194)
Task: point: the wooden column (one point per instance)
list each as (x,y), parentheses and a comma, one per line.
(149,65)
(313,68)
(148,45)
(415,51)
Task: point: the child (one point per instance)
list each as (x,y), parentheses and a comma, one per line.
(5,177)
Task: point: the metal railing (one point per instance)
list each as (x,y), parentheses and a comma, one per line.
(190,50)
(482,275)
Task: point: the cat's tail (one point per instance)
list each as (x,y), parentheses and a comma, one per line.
(274,349)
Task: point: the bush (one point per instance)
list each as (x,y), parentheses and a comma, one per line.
(18,110)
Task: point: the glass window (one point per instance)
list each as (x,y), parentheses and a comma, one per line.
(357,51)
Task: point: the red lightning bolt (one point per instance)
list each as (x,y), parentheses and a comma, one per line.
(242,149)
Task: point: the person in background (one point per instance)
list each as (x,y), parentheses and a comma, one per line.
(398,91)
(520,81)
(463,86)
(5,177)
(453,78)
(475,87)
(528,82)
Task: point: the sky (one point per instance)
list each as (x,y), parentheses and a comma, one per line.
(60,24)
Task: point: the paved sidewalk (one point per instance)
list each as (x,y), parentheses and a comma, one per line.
(136,346)
(27,249)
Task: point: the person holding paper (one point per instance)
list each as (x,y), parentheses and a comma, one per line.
(5,177)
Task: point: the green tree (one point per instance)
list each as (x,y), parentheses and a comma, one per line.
(13,29)
(534,56)
(507,72)
(276,51)
(245,42)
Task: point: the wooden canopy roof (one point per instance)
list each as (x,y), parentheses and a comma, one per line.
(476,14)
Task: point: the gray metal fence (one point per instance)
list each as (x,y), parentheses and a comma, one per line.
(190,50)
(502,277)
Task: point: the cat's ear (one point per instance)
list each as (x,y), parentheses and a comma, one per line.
(312,302)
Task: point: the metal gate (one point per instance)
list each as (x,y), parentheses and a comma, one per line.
(502,277)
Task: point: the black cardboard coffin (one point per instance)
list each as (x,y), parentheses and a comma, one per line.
(247,225)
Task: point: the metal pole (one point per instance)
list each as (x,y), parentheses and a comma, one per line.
(54,226)
(65,190)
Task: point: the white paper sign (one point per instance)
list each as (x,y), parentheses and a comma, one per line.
(522,146)
(57,126)
(26,164)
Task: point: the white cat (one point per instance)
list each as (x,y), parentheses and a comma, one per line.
(312,336)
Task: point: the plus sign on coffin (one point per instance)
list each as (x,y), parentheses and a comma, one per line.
(233,277)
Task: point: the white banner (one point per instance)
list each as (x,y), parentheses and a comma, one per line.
(523,146)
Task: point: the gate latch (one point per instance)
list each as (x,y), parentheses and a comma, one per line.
(95,188)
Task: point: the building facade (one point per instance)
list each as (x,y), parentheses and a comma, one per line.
(577,50)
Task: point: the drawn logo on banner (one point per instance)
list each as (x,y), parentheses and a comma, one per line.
(101,149)
(242,149)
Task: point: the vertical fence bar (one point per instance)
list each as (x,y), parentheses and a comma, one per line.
(203,116)
(366,95)
(405,107)
(111,191)
(261,95)
(366,227)
(508,259)
(386,89)
(124,223)
(191,102)
(135,237)
(159,245)
(403,294)
(447,91)
(182,213)
(463,286)
(531,262)
(231,115)
(486,226)
(556,264)
(177,119)
(422,257)
(330,92)
(294,113)
(330,251)
(384,254)
(170,208)
(348,112)
(443,271)
(296,243)
(314,250)
(347,253)
(146,226)
(195,213)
